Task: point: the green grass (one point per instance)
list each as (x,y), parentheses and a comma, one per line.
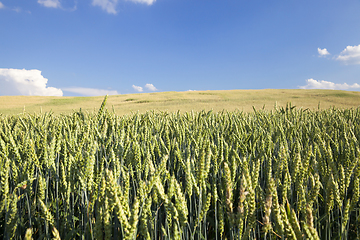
(243,100)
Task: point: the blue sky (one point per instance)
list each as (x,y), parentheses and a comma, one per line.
(95,47)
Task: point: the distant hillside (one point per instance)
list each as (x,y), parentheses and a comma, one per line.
(229,100)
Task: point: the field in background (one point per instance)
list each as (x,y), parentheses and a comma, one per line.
(229,100)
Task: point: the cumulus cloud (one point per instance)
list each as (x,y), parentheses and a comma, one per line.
(107,5)
(350,55)
(323,52)
(1,5)
(137,88)
(50,3)
(91,91)
(321,84)
(25,82)
(150,87)
(148,2)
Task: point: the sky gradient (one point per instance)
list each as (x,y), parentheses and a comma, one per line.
(98,47)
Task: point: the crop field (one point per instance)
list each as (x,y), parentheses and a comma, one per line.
(283,173)
(230,100)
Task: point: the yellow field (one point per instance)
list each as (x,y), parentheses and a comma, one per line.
(229,100)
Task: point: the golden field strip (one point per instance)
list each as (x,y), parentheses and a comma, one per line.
(230,100)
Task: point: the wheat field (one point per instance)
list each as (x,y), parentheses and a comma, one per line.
(285,173)
(229,100)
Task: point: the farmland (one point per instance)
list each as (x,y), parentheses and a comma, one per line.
(230,100)
(288,172)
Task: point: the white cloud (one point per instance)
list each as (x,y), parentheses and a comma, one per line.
(1,5)
(150,87)
(108,5)
(90,91)
(137,88)
(321,84)
(50,3)
(25,82)
(323,52)
(350,55)
(148,2)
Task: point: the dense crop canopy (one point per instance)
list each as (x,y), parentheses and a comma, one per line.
(287,173)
